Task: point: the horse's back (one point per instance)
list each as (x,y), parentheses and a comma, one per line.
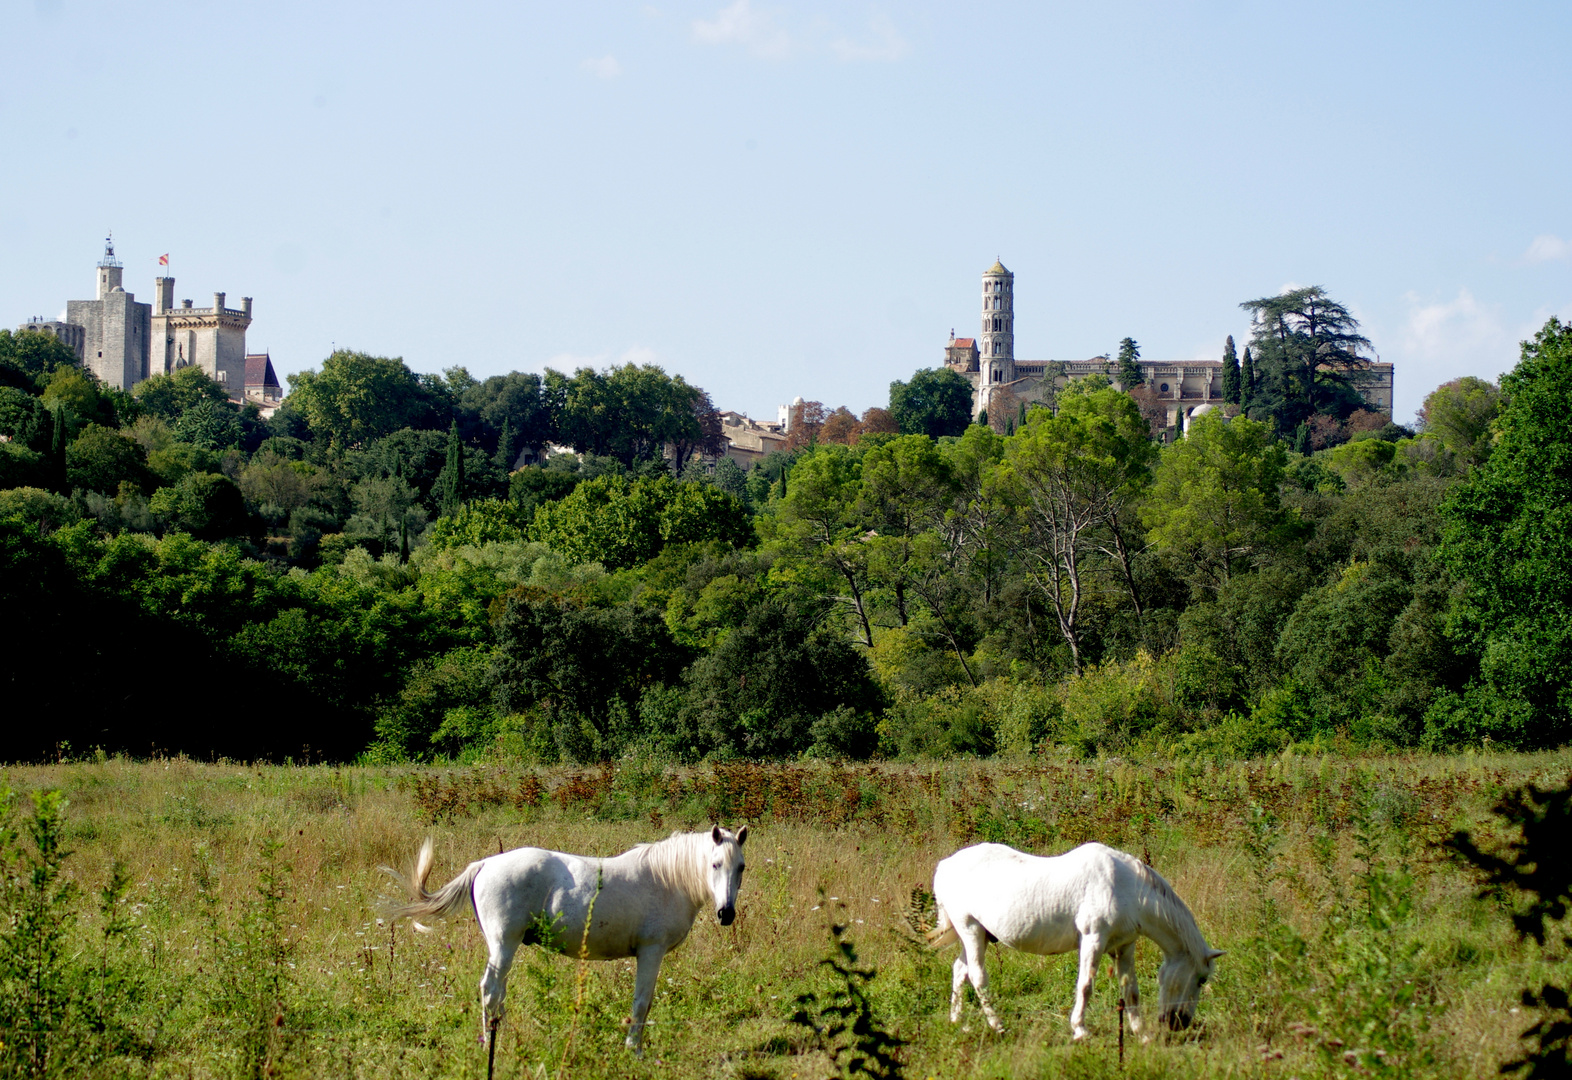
(1030,902)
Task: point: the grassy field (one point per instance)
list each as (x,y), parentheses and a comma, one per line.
(251,944)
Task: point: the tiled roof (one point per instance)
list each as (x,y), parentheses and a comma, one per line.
(259,370)
(964,343)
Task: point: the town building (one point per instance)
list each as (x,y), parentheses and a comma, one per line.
(1178,386)
(115,328)
(123,341)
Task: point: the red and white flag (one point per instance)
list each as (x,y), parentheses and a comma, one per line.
(163,260)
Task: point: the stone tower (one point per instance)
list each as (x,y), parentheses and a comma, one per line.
(115,328)
(996,343)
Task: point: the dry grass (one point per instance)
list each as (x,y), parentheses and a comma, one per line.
(376,1000)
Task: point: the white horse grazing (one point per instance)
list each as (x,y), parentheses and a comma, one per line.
(642,902)
(1094,899)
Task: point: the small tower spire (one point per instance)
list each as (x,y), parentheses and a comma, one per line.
(109,259)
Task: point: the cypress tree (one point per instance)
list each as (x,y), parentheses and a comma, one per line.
(450,484)
(505,447)
(1246,381)
(57,447)
(403,538)
(1230,373)
(1129,371)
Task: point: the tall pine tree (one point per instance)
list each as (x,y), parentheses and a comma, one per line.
(1230,373)
(1129,371)
(1246,382)
(504,457)
(450,484)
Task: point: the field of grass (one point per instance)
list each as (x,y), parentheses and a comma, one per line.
(251,945)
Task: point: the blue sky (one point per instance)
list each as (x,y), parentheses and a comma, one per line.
(777,199)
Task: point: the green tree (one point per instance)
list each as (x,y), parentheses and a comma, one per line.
(936,402)
(450,484)
(99,459)
(1460,413)
(357,398)
(619,522)
(206,505)
(1071,476)
(482,521)
(1506,542)
(81,396)
(23,418)
(169,396)
(1129,369)
(1307,345)
(633,412)
(1231,388)
(29,357)
(1214,500)
(210,425)
(1247,382)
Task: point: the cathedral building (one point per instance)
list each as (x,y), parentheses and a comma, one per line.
(1181,386)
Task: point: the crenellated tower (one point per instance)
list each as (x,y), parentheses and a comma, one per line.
(996,343)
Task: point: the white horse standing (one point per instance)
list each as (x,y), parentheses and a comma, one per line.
(1094,899)
(643,902)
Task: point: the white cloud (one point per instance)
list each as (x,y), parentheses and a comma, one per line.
(742,24)
(887,44)
(1547,248)
(606,67)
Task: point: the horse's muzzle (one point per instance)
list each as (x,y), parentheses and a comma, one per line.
(726,915)
(1176,1019)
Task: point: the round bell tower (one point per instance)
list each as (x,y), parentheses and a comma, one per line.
(996,343)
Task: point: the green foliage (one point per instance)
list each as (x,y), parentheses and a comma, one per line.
(629,412)
(23,418)
(1529,873)
(555,657)
(80,397)
(1215,502)
(620,522)
(449,489)
(1461,414)
(171,396)
(936,402)
(65,1009)
(42,509)
(844,1022)
(762,688)
(1505,542)
(1305,346)
(210,425)
(29,357)
(206,505)
(481,522)
(100,458)
(529,487)
(1231,384)
(1130,375)
(357,398)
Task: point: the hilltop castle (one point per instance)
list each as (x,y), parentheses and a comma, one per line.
(988,362)
(123,341)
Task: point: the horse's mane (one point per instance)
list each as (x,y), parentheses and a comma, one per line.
(680,861)
(1174,910)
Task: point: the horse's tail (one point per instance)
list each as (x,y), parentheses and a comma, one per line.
(445,901)
(944,933)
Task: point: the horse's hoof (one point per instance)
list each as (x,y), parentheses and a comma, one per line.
(1079,1036)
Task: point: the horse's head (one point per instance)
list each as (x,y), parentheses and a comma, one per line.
(726,866)
(1179,983)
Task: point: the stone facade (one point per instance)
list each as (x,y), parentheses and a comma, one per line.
(115,328)
(73,335)
(1180,387)
(123,342)
(213,339)
(750,441)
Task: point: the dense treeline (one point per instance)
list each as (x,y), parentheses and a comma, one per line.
(370,571)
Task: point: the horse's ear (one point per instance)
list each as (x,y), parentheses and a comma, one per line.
(742,836)
(1213,954)
(715,835)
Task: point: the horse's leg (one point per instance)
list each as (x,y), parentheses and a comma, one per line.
(958,987)
(974,939)
(1093,945)
(650,957)
(1129,989)
(500,948)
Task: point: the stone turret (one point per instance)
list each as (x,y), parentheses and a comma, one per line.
(996,343)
